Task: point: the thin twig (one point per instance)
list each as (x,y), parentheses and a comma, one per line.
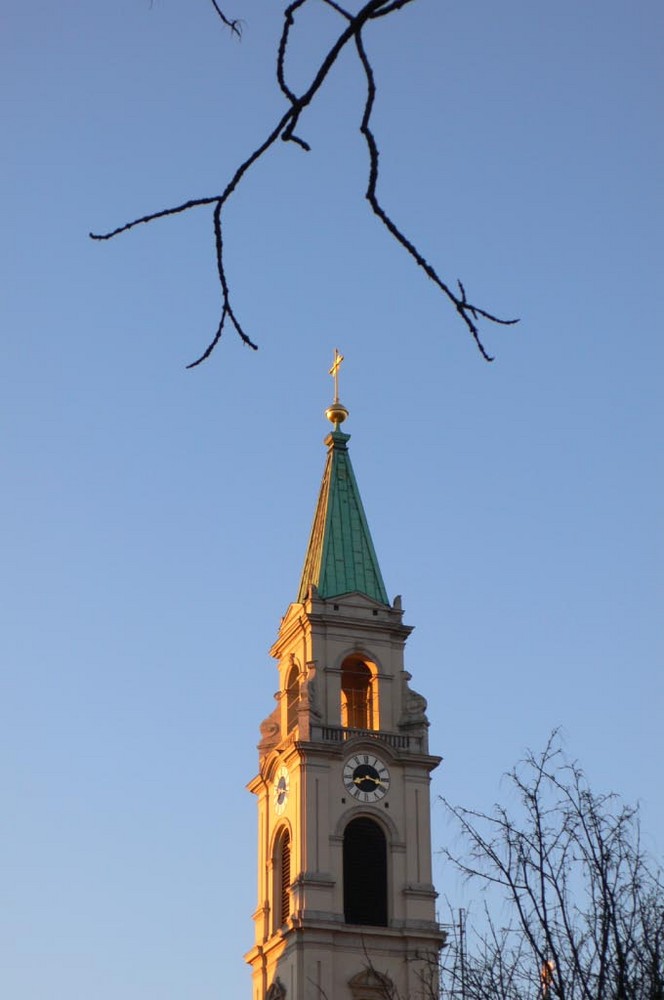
(233,23)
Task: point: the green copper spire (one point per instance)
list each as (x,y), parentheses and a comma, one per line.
(340,555)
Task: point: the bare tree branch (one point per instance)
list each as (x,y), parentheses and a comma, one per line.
(285,128)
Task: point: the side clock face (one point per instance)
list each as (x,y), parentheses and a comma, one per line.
(280,790)
(366,777)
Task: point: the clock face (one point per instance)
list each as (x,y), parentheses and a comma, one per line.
(280,790)
(366,777)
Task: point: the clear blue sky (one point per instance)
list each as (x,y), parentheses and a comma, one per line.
(154,520)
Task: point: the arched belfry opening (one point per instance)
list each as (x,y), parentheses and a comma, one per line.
(292,697)
(281,903)
(359,694)
(365,873)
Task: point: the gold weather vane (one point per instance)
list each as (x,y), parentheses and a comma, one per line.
(336,413)
(334,372)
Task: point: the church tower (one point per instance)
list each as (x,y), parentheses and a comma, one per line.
(346,905)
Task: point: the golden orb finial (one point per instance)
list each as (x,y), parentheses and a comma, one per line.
(336,413)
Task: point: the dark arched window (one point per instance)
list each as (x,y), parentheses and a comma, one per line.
(282,880)
(365,873)
(292,697)
(357,696)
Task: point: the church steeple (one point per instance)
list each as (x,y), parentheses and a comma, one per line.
(346,905)
(340,556)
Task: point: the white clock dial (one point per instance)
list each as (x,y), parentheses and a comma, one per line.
(280,790)
(366,777)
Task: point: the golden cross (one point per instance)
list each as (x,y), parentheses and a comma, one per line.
(334,372)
